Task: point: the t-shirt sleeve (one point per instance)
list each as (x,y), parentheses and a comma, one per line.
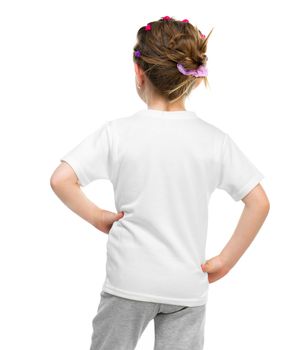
(90,158)
(238,175)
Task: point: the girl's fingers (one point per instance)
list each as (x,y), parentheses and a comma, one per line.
(209,266)
(212,265)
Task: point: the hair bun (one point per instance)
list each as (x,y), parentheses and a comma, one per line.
(171,42)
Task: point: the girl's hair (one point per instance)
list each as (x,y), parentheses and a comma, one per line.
(167,43)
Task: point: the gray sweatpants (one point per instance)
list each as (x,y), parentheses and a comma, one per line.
(120,322)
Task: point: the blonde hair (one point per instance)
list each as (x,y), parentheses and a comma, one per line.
(167,43)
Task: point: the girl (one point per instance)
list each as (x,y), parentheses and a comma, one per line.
(164,163)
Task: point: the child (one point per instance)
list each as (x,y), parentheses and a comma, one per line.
(164,163)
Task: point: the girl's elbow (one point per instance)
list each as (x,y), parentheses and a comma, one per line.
(55,182)
(262,205)
(265,205)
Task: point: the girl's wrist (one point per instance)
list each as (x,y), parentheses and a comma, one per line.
(96,218)
(226,262)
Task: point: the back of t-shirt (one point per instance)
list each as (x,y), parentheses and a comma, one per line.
(164,166)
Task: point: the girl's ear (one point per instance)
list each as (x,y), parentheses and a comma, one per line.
(137,69)
(139,72)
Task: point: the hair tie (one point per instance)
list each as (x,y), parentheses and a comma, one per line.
(201,71)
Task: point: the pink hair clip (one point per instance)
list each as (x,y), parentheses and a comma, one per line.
(185,20)
(201,71)
(166,18)
(148,26)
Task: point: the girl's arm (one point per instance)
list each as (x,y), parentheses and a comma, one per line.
(64,183)
(253,215)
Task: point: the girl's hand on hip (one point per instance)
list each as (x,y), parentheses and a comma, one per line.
(106,219)
(215,267)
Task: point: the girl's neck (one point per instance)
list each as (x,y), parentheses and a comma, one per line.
(165,106)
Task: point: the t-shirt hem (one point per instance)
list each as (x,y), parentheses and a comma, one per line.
(83,180)
(154,298)
(248,187)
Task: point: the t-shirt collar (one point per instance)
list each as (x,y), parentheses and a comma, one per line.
(183,114)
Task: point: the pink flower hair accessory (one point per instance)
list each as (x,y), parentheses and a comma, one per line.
(201,71)
(148,26)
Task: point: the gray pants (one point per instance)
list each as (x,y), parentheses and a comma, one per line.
(120,322)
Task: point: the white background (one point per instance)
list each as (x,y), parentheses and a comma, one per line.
(66,67)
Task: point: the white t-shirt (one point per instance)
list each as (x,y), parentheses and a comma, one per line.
(164,166)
